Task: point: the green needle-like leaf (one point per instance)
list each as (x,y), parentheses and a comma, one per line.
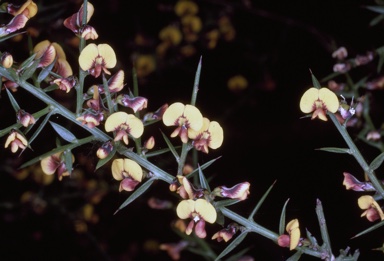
(14,103)
(45,72)
(233,244)
(171,147)
(203,181)
(336,150)
(202,167)
(295,257)
(226,202)
(41,126)
(63,132)
(282,218)
(261,201)
(375,8)
(29,70)
(238,255)
(137,193)
(315,82)
(376,226)
(376,163)
(56,150)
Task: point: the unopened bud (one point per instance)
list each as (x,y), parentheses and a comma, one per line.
(6,60)
(104,150)
(150,143)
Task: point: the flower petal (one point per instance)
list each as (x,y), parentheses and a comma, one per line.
(115,120)
(87,56)
(51,163)
(185,208)
(308,99)
(117,169)
(194,116)
(134,169)
(217,135)
(108,54)
(172,113)
(206,210)
(330,99)
(136,125)
(365,202)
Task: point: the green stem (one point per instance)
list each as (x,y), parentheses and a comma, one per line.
(356,153)
(323,227)
(184,152)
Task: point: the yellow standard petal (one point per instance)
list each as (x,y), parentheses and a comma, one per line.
(185,208)
(136,126)
(108,54)
(88,56)
(173,112)
(117,169)
(330,99)
(217,135)
(134,169)
(365,202)
(194,116)
(115,120)
(206,210)
(308,99)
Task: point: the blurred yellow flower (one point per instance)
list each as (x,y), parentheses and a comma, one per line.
(237,83)
(186,7)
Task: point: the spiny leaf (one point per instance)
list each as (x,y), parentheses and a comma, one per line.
(233,244)
(376,8)
(203,181)
(376,20)
(336,150)
(45,72)
(282,218)
(202,167)
(158,152)
(56,150)
(238,255)
(315,82)
(41,126)
(261,201)
(137,193)
(9,73)
(376,163)
(376,226)
(226,202)
(14,103)
(63,132)
(295,257)
(171,147)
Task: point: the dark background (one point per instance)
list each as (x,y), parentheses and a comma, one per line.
(277,43)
